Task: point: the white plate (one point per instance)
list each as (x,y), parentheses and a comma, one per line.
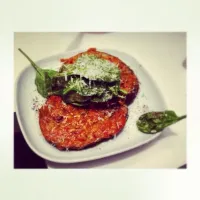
(149,99)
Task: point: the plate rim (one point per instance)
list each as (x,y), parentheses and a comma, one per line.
(95,157)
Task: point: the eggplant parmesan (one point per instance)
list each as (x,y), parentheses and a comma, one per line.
(68,127)
(128,82)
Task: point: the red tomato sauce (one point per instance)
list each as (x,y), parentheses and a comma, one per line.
(70,127)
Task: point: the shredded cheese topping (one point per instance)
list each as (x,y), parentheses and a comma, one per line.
(94,68)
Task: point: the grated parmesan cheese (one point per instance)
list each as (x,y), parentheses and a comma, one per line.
(93,68)
(65,76)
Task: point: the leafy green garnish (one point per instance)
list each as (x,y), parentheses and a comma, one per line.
(43,83)
(74,97)
(89,79)
(43,78)
(103,98)
(154,122)
(98,91)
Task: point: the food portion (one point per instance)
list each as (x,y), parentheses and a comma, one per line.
(89,77)
(86,99)
(71,127)
(120,79)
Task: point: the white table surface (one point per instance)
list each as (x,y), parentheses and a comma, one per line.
(161,54)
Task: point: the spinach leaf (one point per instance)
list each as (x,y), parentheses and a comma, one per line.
(43,80)
(103,98)
(43,84)
(73,97)
(154,122)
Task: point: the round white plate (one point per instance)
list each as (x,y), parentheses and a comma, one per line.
(149,99)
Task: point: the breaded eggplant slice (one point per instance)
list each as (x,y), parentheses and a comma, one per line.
(128,80)
(69,127)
